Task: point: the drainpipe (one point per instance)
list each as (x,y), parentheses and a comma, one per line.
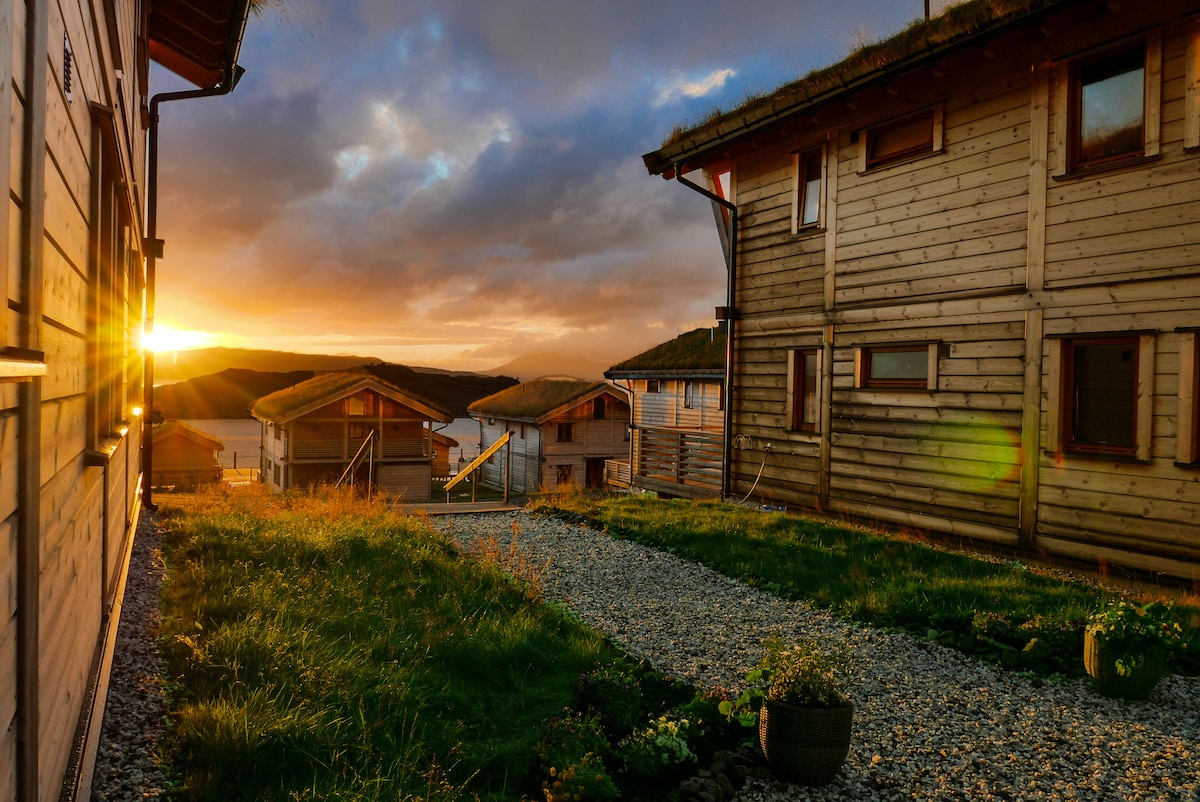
(153,248)
(728,313)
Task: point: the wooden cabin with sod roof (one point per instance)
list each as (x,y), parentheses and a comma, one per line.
(76,240)
(964,280)
(349,426)
(676,393)
(185,457)
(563,431)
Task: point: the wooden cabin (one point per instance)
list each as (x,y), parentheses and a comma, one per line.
(563,432)
(313,432)
(442,445)
(963,280)
(74,96)
(184,456)
(676,397)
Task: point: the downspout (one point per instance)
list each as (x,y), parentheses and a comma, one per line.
(29,401)
(153,247)
(729,315)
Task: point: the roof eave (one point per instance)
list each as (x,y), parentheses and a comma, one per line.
(702,143)
(198,40)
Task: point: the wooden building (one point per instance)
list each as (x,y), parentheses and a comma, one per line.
(184,456)
(563,432)
(964,279)
(442,446)
(74,102)
(314,431)
(676,397)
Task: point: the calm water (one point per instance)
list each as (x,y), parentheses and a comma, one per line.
(241,439)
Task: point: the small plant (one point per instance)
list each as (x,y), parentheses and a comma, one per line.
(803,674)
(663,744)
(1129,628)
(571,752)
(614,691)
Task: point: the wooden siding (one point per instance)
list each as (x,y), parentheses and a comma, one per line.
(990,254)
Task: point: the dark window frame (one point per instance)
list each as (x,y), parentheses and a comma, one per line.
(808,162)
(799,390)
(569,430)
(874,382)
(875,133)
(1079,72)
(1071,395)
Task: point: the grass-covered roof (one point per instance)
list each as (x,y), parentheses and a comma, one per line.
(536,399)
(698,350)
(921,40)
(325,388)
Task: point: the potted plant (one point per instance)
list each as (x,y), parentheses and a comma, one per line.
(805,720)
(1124,646)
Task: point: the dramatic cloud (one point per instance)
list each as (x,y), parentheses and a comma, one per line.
(458,183)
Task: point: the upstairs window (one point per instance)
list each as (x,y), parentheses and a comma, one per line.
(810,200)
(566,432)
(653,386)
(598,408)
(1109,113)
(910,137)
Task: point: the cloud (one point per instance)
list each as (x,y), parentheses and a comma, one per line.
(678,86)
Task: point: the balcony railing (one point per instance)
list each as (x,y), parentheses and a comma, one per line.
(341,449)
(681,457)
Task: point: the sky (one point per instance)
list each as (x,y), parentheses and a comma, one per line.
(456,183)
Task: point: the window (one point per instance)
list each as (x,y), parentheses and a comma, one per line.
(598,408)
(566,432)
(563,474)
(689,395)
(909,367)
(1100,381)
(803,389)
(918,134)
(1109,108)
(810,200)
(354,405)
(1108,112)
(653,386)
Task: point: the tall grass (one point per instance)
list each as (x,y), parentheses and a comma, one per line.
(322,648)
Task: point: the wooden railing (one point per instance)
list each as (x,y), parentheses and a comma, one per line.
(682,457)
(618,473)
(339,449)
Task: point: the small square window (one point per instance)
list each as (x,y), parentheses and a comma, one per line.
(804,389)
(653,386)
(916,135)
(901,367)
(566,432)
(1109,107)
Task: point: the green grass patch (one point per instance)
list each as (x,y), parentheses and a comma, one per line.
(1002,612)
(321,648)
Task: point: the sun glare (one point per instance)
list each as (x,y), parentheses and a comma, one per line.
(165,339)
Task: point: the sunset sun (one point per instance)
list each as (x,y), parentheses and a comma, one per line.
(165,339)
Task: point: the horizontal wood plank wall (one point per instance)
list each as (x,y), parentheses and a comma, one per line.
(937,250)
(10,169)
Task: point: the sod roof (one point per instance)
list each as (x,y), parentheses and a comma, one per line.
(325,388)
(700,352)
(173,427)
(538,400)
(921,42)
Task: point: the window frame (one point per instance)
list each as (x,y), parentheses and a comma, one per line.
(564,474)
(567,428)
(653,386)
(1061,415)
(863,378)
(599,408)
(1067,105)
(797,390)
(802,166)
(935,143)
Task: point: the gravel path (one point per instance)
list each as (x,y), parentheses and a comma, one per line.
(929,723)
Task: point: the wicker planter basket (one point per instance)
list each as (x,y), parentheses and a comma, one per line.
(1099,662)
(805,745)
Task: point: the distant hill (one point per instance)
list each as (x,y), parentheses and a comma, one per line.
(533,366)
(231,392)
(184,365)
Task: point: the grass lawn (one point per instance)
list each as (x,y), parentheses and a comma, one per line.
(319,648)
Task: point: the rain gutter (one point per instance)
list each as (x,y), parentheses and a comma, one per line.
(728,313)
(153,248)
